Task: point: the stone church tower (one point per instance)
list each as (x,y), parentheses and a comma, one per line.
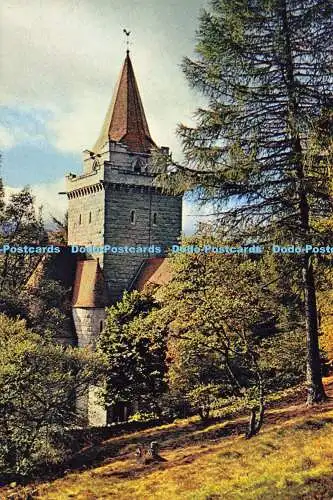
(113,202)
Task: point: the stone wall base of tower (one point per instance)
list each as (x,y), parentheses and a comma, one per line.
(88,324)
(90,409)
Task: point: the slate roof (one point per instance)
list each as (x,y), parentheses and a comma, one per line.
(125,120)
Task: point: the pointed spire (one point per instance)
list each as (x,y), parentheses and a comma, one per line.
(125,120)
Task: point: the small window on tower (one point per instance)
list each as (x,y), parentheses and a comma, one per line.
(133,217)
(89,217)
(101,326)
(155,219)
(136,165)
(80,219)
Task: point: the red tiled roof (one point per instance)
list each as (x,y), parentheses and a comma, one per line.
(89,286)
(125,120)
(155,271)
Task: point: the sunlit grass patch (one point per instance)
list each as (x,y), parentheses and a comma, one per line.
(272,465)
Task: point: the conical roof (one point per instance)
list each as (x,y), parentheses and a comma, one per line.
(89,287)
(125,120)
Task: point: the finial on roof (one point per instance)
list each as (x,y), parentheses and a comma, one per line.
(127,33)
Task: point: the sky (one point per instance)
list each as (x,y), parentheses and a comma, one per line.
(60,60)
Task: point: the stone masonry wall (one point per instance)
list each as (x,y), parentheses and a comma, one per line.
(120,201)
(86,219)
(87,324)
(100,205)
(168,227)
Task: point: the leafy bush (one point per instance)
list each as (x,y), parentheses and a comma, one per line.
(38,384)
(203,397)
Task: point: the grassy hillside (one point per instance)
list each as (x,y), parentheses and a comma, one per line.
(292,458)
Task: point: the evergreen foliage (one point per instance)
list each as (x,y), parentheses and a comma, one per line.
(265,69)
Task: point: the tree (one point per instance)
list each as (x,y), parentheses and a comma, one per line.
(46,306)
(134,346)
(196,375)
(321,153)
(21,226)
(218,311)
(38,381)
(60,234)
(2,195)
(265,68)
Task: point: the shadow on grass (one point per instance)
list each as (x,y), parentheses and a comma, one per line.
(193,433)
(180,435)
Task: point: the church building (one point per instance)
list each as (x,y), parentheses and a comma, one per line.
(114,202)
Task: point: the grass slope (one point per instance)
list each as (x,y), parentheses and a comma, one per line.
(291,458)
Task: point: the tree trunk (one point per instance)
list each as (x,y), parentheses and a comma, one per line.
(252,424)
(204,413)
(255,423)
(260,417)
(316,392)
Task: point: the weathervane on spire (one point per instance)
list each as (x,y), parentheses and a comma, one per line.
(127,33)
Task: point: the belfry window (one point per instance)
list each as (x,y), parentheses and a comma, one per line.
(80,219)
(89,217)
(154,219)
(136,165)
(133,217)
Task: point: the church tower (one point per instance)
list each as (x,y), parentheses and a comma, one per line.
(114,201)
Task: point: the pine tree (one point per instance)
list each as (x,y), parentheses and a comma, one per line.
(265,69)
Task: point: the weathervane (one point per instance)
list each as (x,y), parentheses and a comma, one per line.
(127,33)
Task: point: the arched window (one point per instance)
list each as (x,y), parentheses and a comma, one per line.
(80,219)
(154,218)
(133,217)
(89,217)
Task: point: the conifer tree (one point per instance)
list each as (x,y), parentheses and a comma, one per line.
(265,67)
